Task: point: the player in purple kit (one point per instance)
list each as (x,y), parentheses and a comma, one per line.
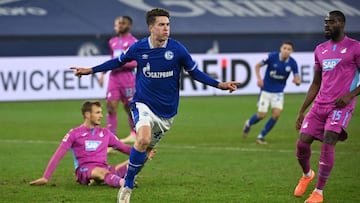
(89,144)
(279,66)
(121,85)
(333,90)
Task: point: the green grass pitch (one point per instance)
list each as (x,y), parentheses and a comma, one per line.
(203,158)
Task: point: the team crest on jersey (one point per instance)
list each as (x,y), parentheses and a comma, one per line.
(92,145)
(287,68)
(101,134)
(169,55)
(343,51)
(329,64)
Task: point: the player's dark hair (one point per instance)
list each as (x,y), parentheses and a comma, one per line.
(127,18)
(151,14)
(288,43)
(87,105)
(340,15)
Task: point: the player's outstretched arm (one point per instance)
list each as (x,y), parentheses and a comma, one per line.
(55,159)
(231,86)
(40,181)
(108,65)
(78,71)
(205,79)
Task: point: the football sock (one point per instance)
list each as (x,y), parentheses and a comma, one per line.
(253,119)
(112,180)
(111,120)
(269,125)
(303,153)
(325,165)
(136,162)
(319,191)
(308,174)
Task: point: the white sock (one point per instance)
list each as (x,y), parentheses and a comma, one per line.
(319,191)
(308,174)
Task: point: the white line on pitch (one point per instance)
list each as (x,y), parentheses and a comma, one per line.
(188,147)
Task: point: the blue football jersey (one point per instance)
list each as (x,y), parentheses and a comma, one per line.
(158,74)
(277,72)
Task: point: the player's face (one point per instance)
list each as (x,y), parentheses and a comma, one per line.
(122,26)
(161,28)
(332,27)
(95,115)
(285,51)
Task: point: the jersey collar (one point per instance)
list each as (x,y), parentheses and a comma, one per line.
(286,61)
(152,47)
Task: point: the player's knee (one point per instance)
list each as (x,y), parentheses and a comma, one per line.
(142,143)
(276,112)
(305,138)
(99,173)
(261,115)
(275,116)
(111,109)
(331,137)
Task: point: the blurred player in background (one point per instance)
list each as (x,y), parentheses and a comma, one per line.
(89,144)
(121,85)
(279,66)
(333,90)
(160,61)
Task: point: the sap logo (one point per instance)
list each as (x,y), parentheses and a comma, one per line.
(92,145)
(329,64)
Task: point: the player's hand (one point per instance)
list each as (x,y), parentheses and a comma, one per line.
(78,71)
(101,79)
(260,83)
(296,81)
(343,101)
(40,181)
(231,86)
(299,121)
(151,154)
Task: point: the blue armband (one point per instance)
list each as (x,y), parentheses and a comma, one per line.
(203,78)
(108,65)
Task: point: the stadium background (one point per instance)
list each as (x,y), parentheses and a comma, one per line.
(235,33)
(81,27)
